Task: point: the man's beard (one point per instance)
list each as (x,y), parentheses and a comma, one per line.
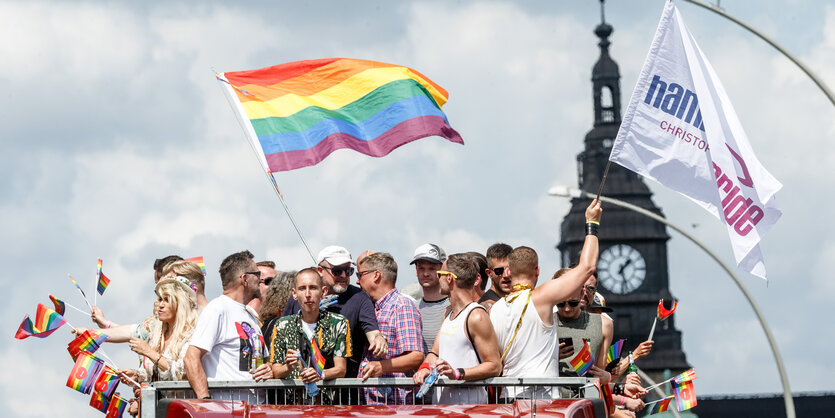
(339,288)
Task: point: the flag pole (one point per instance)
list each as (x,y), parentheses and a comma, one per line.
(652,331)
(260,156)
(603,181)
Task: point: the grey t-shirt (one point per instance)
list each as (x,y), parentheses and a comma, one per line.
(431,316)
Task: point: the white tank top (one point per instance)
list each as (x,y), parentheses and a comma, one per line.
(455,347)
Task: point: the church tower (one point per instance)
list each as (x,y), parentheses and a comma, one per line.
(632,269)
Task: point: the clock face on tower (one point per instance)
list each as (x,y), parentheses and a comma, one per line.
(621,269)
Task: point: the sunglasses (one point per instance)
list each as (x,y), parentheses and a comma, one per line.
(440,273)
(257,274)
(591,290)
(338,271)
(572,303)
(362,273)
(498,271)
(267,280)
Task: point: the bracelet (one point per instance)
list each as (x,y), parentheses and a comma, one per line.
(622,400)
(617,389)
(425,365)
(108,324)
(592,228)
(432,352)
(457,374)
(156,362)
(460,373)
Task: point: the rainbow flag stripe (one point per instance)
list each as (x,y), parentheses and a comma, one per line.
(302,111)
(59,305)
(614,351)
(661,405)
(318,362)
(199,262)
(85,372)
(664,313)
(103,281)
(117,407)
(685,395)
(584,359)
(104,388)
(46,322)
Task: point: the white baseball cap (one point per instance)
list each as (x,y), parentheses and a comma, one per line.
(335,255)
(429,252)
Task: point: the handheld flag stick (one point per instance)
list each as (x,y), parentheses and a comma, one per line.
(652,331)
(79,310)
(603,180)
(228,93)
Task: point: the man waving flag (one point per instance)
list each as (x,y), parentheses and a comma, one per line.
(681,131)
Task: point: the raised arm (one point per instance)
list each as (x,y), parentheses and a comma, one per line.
(555,291)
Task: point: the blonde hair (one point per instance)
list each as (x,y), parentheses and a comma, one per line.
(188,269)
(185,319)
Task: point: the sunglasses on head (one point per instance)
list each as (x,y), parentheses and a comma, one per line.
(498,271)
(572,303)
(338,271)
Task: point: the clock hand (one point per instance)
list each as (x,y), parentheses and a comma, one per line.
(620,270)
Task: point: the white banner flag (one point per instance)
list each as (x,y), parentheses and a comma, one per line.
(681,131)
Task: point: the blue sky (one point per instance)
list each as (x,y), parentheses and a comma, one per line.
(117,143)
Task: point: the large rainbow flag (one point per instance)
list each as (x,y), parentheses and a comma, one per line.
(300,112)
(46,322)
(85,372)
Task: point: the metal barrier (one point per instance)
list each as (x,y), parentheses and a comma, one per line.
(355,391)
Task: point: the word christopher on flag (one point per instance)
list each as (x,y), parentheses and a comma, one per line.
(675,100)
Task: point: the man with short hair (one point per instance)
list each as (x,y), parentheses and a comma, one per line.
(335,267)
(524,319)
(428,260)
(294,333)
(399,322)
(499,274)
(268,273)
(482,276)
(466,345)
(227,343)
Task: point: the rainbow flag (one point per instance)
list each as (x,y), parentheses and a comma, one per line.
(103,389)
(199,262)
(84,373)
(583,360)
(117,407)
(89,341)
(614,351)
(661,405)
(302,111)
(59,305)
(685,395)
(318,362)
(102,279)
(605,394)
(78,287)
(664,313)
(685,377)
(46,322)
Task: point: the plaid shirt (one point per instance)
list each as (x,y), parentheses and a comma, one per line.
(399,321)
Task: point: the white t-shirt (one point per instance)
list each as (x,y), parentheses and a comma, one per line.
(232,338)
(531,353)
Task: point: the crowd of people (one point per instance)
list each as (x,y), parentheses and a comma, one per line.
(479,316)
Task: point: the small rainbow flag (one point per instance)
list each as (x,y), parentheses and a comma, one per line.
(104,388)
(318,362)
(84,373)
(46,322)
(89,341)
(614,351)
(685,377)
(78,287)
(664,313)
(199,262)
(685,395)
(59,305)
(102,279)
(584,359)
(300,112)
(117,407)
(661,405)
